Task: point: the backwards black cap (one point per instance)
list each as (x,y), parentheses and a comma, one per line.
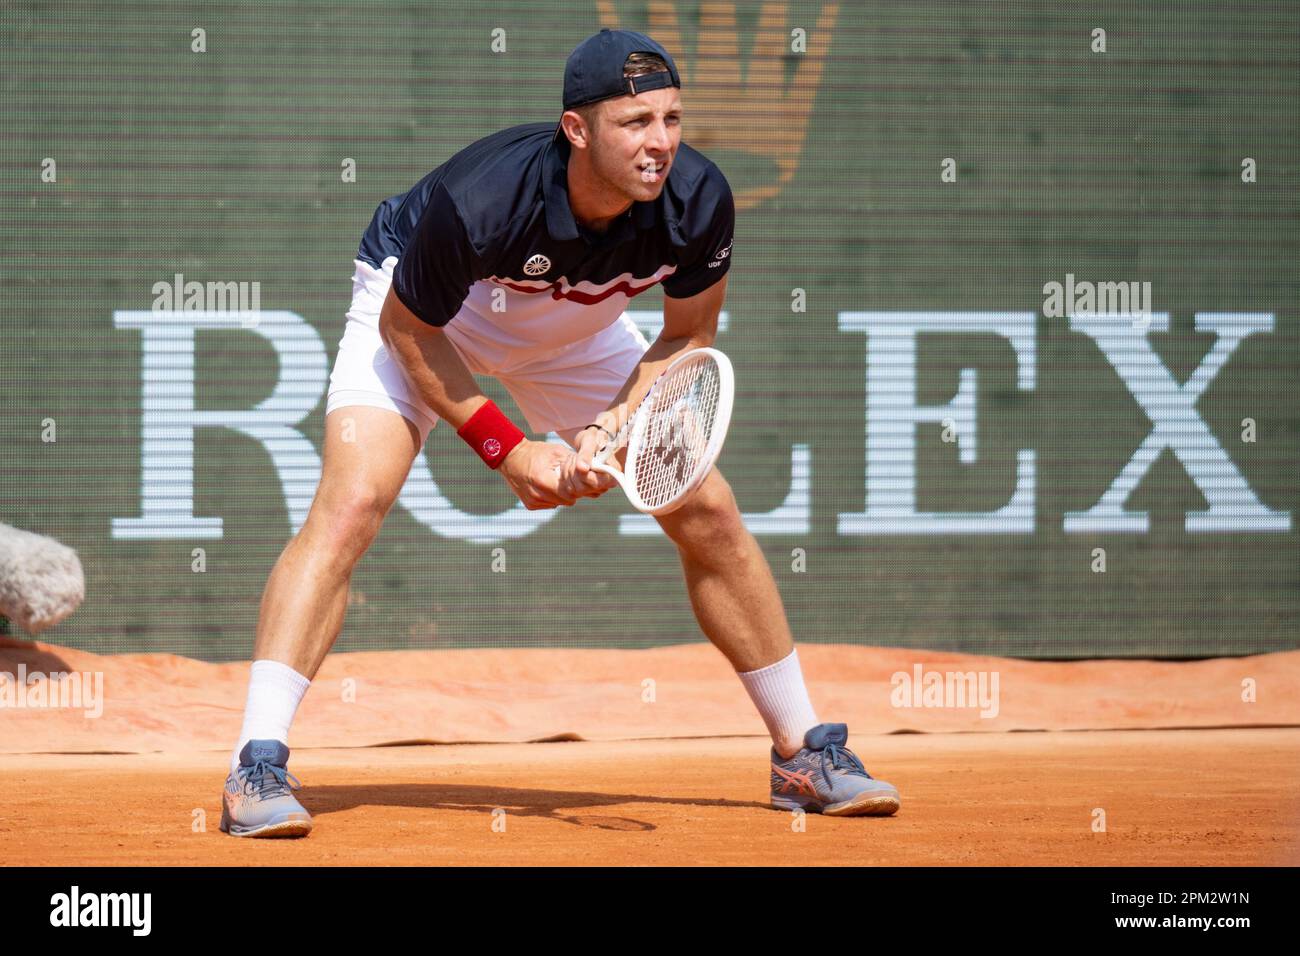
(594,71)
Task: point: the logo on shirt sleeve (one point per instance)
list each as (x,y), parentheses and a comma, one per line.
(721,254)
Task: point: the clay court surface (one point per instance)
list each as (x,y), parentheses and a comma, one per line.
(656,757)
(1206,797)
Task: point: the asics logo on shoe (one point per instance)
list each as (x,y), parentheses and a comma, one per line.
(795,781)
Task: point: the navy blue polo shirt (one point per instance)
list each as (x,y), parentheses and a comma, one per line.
(491,231)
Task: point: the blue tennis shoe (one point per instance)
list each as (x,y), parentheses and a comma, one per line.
(826,777)
(258,800)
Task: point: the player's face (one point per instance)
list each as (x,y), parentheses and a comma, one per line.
(637,140)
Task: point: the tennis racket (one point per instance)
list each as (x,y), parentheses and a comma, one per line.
(676,433)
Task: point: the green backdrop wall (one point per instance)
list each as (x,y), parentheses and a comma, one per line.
(929,452)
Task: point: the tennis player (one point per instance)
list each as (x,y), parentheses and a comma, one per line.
(515,259)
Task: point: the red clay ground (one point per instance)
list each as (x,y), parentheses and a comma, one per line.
(164,703)
(1193,797)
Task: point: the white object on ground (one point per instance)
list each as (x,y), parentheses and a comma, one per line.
(41,581)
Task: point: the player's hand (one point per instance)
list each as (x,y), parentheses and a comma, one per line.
(532,470)
(577,476)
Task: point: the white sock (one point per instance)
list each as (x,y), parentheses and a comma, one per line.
(779,693)
(274,692)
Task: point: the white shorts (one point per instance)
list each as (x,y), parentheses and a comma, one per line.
(556,389)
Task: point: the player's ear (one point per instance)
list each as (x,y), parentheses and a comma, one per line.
(582,124)
(575,129)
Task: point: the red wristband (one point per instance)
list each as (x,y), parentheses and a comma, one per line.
(490,434)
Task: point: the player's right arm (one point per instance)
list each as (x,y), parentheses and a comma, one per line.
(435,368)
(430,283)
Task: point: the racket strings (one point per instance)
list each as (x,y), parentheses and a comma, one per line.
(678,430)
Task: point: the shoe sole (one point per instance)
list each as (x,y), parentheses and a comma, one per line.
(866,804)
(283,829)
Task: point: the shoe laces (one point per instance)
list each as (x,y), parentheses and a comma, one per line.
(842,758)
(267,780)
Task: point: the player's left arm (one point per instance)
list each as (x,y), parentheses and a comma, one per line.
(694,320)
(693,295)
(689,323)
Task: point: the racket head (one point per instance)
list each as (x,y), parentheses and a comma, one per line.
(678,431)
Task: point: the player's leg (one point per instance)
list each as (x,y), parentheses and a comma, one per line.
(739,609)
(732,592)
(373,429)
(730,585)
(368,455)
(728,578)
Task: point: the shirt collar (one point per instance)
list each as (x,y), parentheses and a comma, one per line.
(559,215)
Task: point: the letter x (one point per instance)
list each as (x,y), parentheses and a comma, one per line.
(1176,426)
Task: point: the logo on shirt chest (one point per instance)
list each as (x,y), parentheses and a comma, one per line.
(537,265)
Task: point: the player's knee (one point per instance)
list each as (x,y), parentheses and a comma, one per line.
(710,516)
(347,520)
(715,499)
